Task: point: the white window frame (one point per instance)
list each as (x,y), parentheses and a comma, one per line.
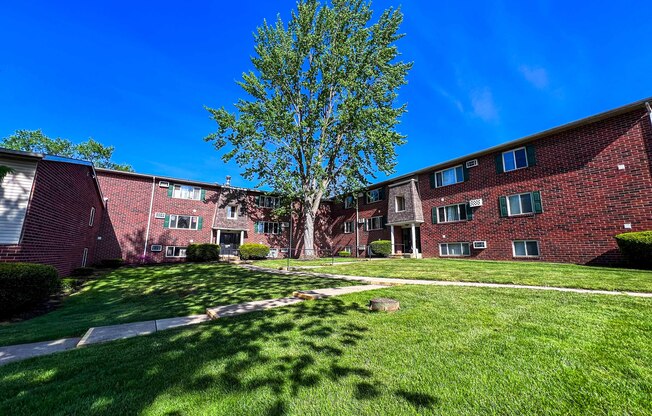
(174,248)
(268,227)
(369,222)
(84,257)
(348,227)
(397,205)
(513,154)
(91,220)
(440,173)
(461,243)
(348,202)
(194,193)
(348,249)
(371,199)
(525,243)
(267,201)
(190,221)
(520,204)
(233,209)
(461,208)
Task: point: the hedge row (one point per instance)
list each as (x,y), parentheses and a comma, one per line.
(636,247)
(253,251)
(203,252)
(24,284)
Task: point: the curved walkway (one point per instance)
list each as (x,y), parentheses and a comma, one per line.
(393,281)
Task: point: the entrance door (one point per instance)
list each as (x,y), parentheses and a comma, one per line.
(229,243)
(407,239)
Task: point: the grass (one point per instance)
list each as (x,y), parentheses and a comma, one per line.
(449,350)
(138,294)
(525,273)
(326,261)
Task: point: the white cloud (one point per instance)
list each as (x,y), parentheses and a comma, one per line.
(483,104)
(536,76)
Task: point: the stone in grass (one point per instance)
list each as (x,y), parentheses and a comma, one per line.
(384,304)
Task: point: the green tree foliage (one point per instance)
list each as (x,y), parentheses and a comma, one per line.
(4,171)
(37,142)
(321,114)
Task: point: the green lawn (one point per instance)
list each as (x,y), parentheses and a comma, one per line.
(326,261)
(137,294)
(526,273)
(449,350)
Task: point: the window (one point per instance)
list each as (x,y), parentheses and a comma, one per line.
(374,223)
(520,204)
(454,249)
(375,195)
(347,249)
(231,212)
(185,222)
(186,192)
(265,201)
(400,203)
(452,213)
(265,227)
(84,257)
(175,251)
(526,248)
(348,202)
(91,220)
(449,176)
(515,159)
(348,227)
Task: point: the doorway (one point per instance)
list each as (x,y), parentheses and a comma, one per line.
(407,239)
(229,243)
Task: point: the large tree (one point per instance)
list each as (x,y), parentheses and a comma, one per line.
(90,150)
(321,110)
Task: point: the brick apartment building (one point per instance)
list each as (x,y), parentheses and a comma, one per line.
(560,195)
(51,210)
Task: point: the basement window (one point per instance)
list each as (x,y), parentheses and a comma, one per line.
(454,249)
(175,251)
(526,248)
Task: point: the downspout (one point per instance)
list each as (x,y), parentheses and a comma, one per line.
(149,218)
(649,111)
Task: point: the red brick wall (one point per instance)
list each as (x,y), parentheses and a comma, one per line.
(56,228)
(586,199)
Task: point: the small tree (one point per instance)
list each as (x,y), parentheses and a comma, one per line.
(321,115)
(90,150)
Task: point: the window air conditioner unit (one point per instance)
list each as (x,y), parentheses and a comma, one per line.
(362,247)
(479,245)
(156,247)
(164,184)
(159,215)
(360,220)
(475,203)
(472,163)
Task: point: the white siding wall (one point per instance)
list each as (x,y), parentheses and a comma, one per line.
(15,191)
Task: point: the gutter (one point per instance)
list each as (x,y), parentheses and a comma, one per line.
(149,218)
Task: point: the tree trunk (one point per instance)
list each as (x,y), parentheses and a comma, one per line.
(308,236)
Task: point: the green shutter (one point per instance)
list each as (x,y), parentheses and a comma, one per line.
(256,227)
(384,221)
(257,201)
(499,163)
(469,212)
(381,194)
(203,194)
(166,221)
(434,215)
(433,184)
(502,202)
(170,190)
(465,170)
(536,198)
(200,222)
(531,156)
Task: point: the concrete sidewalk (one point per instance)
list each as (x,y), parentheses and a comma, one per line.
(109,333)
(394,281)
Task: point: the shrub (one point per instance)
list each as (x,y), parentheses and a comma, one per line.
(636,247)
(344,254)
(381,248)
(82,271)
(24,284)
(253,251)
(112,263)
(202,252)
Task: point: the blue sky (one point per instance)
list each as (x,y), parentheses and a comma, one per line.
(136,75)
